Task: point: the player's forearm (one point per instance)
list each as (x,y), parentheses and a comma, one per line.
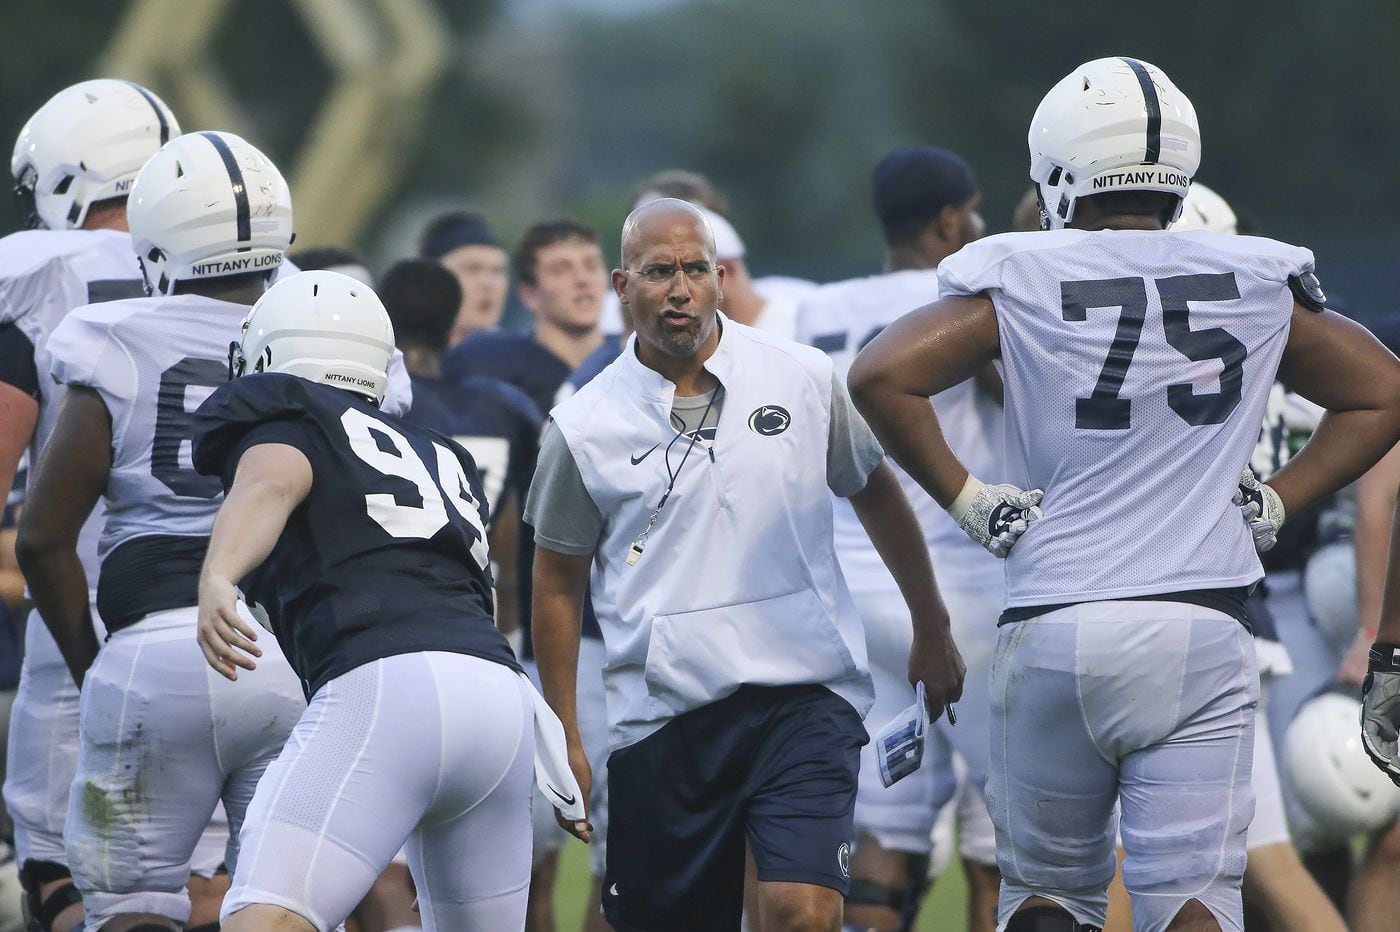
(59,588)
(556,620)
(908,428)
(1389,630)
(1345,445)
(1375,502)
(894,530)
(247,527)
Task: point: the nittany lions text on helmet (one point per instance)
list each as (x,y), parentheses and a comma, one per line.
(86,145)
(321,326)
(208,205)
(1113,124)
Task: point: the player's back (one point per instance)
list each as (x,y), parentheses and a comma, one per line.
(1137,367)
(152,360)
(515,358)
(840,319)
(387,554)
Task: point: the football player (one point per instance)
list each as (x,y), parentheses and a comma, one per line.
(465,245)
(162,740)
(1124,672)
(371,535)
(73,164)
(927,202)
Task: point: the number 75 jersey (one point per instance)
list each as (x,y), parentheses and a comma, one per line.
(1137,367)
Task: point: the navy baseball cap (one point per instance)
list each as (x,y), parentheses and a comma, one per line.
(912,184)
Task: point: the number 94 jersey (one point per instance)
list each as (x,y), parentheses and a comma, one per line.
(1137,366)
(387,554)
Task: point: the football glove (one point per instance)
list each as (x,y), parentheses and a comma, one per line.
(1380,708)
(1262,510)
(995,515)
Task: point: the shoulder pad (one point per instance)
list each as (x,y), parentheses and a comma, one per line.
(1308,291)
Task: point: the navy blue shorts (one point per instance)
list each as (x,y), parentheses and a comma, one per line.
(775,764)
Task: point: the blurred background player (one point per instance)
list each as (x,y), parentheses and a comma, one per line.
(420,728)
(162,742)
(73,164)
(465,245)
(333,259)
(927,203)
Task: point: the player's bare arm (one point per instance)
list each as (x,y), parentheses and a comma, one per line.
(885,514)
(271,480)
(928,350)
(19,413)
(560,586)
(64,489)
(1338,364)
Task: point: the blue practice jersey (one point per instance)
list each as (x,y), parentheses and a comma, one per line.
(515,358)
(387,555)
(497,423)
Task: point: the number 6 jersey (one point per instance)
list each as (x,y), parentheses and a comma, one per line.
(387,554)
(1137,366)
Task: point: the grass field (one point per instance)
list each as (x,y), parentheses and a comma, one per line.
(945,908)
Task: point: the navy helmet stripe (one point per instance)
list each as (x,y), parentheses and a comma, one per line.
(160,114)
(240,192)
(1154,111)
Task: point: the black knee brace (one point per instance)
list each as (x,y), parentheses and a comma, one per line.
(904,901)
(43,910)
(1047,919)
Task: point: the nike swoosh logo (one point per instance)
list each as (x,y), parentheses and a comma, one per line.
(613,889)
(568,800)
(638,459)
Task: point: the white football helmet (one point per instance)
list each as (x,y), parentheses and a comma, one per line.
(321,326)
(205,206)
(1113,124)
(1340,791)
(1203,209)
(86,145)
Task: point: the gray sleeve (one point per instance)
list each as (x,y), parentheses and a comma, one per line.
(852,452)
(564,515)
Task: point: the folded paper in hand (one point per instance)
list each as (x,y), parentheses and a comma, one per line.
(899,747)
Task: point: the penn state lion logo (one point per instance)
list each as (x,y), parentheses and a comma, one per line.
(769,420)
(843,860)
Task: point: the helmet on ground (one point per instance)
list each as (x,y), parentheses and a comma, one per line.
(86,145)
(1203,209)
(208,205)
(322,326)
(1340,790)
(1113,124)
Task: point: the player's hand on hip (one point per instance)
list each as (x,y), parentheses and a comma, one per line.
(224,637)
(1380,708)
(1262,510)
(583,773)
(936,662)
(996,515)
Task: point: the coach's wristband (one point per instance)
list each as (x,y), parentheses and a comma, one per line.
(1385,658)
(964,500)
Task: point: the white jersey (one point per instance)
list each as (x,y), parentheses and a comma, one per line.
(153,360)
(841,319)
(1137,368)
(47,273)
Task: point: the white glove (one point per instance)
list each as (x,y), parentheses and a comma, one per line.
(1262,510)
(1380,709)
(995,515)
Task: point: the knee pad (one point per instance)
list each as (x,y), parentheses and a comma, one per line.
(1047,919)
(904,901)
(43,910)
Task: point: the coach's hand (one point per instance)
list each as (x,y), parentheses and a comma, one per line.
(1262,510)
(995,515)
(936,662)
(1380,708)
(583,773)
(225,638)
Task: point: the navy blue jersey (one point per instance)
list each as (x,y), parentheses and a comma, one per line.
(597,361)
(516,358)
(387,554)
(497,423)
